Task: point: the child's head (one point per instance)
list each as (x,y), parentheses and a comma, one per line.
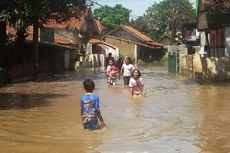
(89,85)
(110,62)
(128,60)
(136,73)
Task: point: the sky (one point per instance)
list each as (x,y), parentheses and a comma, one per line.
(138,7)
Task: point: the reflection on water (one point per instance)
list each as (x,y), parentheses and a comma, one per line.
(177,115)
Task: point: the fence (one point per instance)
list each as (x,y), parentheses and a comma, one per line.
(18,72)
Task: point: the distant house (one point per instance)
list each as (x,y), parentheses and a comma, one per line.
(167,40)
(83,33)
(213,23)
(135,44)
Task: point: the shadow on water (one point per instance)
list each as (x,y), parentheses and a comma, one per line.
(25,101)
(80,75)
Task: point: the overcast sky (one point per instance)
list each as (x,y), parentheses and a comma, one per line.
(138,7)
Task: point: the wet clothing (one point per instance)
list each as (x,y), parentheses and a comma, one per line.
(126,80)
(137,86)
(89,106)
(112,71)
(127,72)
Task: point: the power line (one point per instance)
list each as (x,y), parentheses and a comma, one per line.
(91,3)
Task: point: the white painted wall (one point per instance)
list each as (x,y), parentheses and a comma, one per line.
(227,41)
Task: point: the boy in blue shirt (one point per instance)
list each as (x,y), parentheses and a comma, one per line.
(90,111)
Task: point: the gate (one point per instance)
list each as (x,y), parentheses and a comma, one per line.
(173,62)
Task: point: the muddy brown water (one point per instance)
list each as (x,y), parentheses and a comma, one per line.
(178,115)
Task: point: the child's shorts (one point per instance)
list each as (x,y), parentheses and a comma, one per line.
(138,93)
(92,125)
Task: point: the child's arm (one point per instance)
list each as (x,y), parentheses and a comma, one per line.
(131,86)
(100,118)
(122,69)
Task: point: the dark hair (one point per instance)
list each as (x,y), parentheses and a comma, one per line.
(110,54)
(138,71)
(89,85)
(129,60)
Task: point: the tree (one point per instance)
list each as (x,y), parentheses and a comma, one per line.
(6,15)
(168,16)
(112,17)
(23,13)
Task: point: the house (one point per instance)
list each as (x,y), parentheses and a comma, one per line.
(99,50)
(166,40)
(213,23)
(83,33)
(135,44)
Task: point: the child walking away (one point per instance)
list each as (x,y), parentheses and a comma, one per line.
(127,69)
(112,71)
(136,84)
(90,111)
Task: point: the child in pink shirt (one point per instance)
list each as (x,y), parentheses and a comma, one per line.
(136,84)
(112,71)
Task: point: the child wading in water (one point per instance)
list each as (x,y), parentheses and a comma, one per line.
(136,84)
(112,71)
(127,69)
(90,111)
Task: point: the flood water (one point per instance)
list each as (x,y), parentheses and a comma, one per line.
(178,115)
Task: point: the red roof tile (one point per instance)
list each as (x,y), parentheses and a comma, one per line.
(73,22)
(95,41)
(136,32)
(142,36)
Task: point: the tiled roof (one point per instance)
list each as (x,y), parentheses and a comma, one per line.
(95,41)
(136,33)
(13,31)
(73,22)
(58,39)
(140,35)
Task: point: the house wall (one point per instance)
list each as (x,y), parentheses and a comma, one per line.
(125,48)
(59,58)
(150,54)
(227,41)
(48,34)
(125,35)
(208,68)
(68,33)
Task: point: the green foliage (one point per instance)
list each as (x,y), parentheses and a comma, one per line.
(165,59)
(165,17)
(22,13)
(112,17)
